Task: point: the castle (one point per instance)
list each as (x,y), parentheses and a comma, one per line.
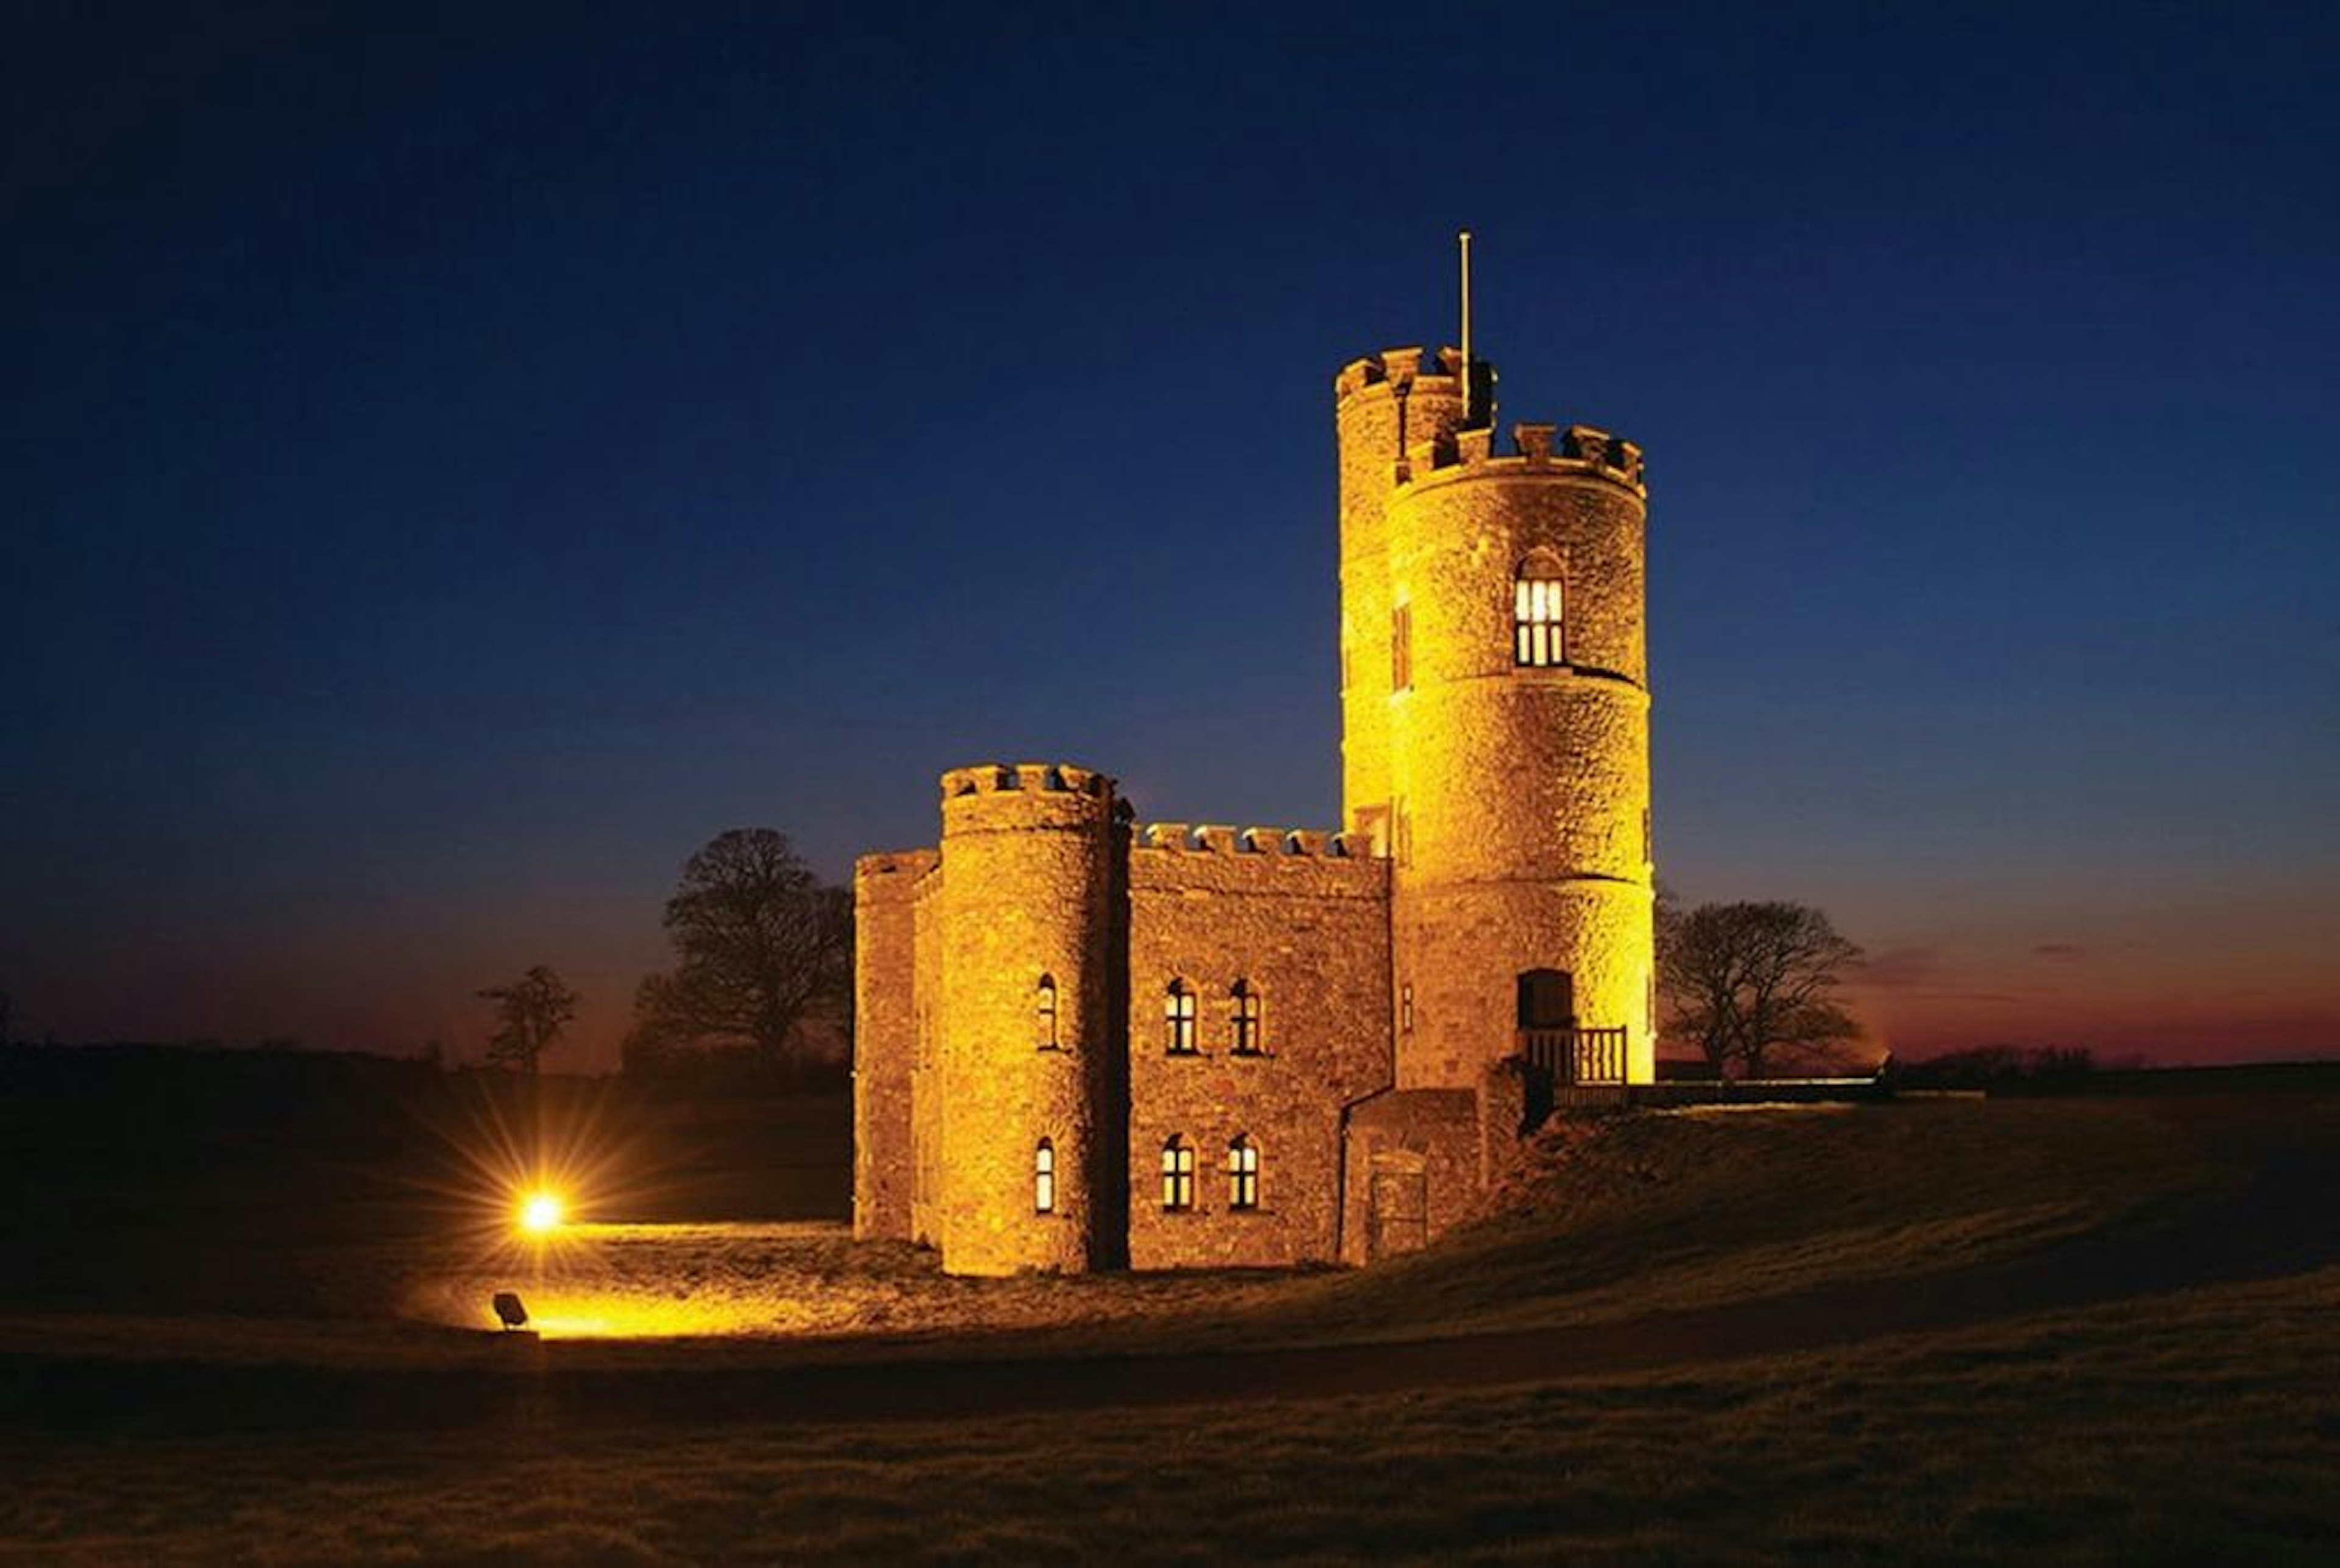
(1085,1042)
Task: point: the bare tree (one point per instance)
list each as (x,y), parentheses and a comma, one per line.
(1747,980)
(760,942)
(531,1014)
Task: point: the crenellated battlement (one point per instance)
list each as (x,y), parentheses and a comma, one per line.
(1580,449)
(1023,777)
(1213,839)
(901,866)
(1396,370)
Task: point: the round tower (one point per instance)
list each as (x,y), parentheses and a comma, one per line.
(1516,734)
(1381,405)
(1025,1060)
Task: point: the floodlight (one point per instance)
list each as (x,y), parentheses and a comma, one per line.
(509,1310)
(540,1211)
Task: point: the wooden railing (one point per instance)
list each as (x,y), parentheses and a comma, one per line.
(1577,1056)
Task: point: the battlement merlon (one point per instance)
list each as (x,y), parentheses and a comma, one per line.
(1537,449)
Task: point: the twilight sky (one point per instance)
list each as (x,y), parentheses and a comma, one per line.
(460,459)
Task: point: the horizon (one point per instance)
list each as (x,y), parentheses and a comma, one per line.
(475,461)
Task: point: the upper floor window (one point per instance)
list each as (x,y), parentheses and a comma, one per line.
(1242,1172)
(1246,1019)
(1043,1178)
(1178,1015)
(1177,1174)
(1538,613)
(1044,1013)
(1402,648)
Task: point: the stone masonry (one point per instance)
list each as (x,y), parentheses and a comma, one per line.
(1084,1042)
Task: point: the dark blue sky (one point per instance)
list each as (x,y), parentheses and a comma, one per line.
(461,459)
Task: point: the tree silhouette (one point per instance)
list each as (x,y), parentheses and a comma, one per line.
(759,941)
(1747,980)
(531,1014)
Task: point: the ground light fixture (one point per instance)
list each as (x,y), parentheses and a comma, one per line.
(540,1212)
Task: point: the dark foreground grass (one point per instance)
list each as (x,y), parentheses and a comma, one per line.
(2181,1403)
(1610,1222)
(2201,1426)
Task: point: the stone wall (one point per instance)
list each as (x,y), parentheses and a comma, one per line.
(1305,922)
(885,1040)
(927,1066)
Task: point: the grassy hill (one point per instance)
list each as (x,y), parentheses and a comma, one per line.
(2070,1330)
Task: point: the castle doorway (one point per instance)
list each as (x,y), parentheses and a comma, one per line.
(1397,1204)
(1547,999)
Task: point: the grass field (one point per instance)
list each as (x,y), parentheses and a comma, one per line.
(2198,1427)
(2093,1330)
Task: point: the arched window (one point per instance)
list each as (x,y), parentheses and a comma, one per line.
(1177,1174)
(1044,1013)
(1178,1013)
(1242,1172)
(1538,613)
(1246,1019)
(1043,1178)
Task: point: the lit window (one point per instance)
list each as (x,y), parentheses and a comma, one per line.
(1537,617)
(1402,648)
(1243,1174)
(1177,1174)
(1405,1006)
(1043,1178)
(1044,1013)
(1178,1013)
(1246,1042)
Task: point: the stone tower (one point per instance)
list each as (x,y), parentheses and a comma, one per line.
(1028,1047)
(1496,723)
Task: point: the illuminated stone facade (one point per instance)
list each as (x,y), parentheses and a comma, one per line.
(1085,1042)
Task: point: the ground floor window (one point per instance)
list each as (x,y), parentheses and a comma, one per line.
(1177,1174)
(1243,1174)
(1043,1178)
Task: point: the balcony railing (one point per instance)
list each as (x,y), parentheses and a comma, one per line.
(1577,1056)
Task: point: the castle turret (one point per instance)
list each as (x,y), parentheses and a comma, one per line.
(1029,1055)
(1381,406)
(1513,742)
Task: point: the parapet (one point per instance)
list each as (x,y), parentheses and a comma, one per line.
(1026,778)
(1580,449)
(1211,839)
(1027,798)
(1397,370)
(893,875)
(907,864)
